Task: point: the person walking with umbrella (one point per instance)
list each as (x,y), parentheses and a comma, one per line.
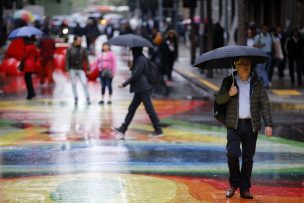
(142,89)
(246,101)
(139,83)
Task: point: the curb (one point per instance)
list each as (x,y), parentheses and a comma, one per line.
(191,77)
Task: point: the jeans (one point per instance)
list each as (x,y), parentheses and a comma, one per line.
(83,79)
(105,82)
(145,97)
(245,135)
(263,70)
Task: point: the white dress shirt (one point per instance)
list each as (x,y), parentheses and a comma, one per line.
(244,98)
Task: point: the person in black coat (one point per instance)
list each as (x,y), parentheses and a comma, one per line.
(142,89)
(294,56)
(159,57)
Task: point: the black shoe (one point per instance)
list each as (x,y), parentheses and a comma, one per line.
(230,192)
(156,134)
(30,97)
(101,102)
(246,194)
(109,102)
(76,101)
(119,131)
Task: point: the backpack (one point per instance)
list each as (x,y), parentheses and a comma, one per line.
(152,73)
(219,110)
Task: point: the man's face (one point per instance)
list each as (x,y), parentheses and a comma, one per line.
(264,29)
(243,66)
(78,41)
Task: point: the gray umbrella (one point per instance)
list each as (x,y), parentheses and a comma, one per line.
(130,40)
(223,57)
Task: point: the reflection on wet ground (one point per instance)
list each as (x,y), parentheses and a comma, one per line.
(52,151)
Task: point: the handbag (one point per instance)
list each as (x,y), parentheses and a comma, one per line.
(106,73)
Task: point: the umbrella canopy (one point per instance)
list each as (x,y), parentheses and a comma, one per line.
(25,31)
(224,57)
(130,40)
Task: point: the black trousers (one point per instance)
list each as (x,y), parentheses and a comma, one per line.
(29,85)
(244,136)
(299,68)
(145,97)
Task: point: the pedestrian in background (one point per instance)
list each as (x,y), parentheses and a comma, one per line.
(263,41)
(91,33)
(294,44)
(76,59)
(107,69)
(142,89)
(109,29)
(31,55)
(282,35)
(278,55)
(172,43)
(47,51)
(159,58)
(246,102)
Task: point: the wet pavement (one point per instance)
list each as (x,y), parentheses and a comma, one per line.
(53,151)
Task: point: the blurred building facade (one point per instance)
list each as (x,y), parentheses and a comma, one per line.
(286,14)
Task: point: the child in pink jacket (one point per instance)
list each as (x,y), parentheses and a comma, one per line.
(107,69)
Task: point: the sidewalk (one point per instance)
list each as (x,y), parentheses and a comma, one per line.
(281,96)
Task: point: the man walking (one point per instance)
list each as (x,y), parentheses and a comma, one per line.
(75,59)
(246,101)
(142,87)
(264,42)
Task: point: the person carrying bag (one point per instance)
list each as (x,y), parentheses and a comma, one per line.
(107,69)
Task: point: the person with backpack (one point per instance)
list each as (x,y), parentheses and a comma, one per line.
(76,59)
(107,69)
(246,102)
(141,85)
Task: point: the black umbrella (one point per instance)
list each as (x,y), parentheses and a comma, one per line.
(224,57)
(130,40)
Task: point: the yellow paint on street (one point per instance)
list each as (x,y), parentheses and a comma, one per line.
(287,92)
(203,81)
